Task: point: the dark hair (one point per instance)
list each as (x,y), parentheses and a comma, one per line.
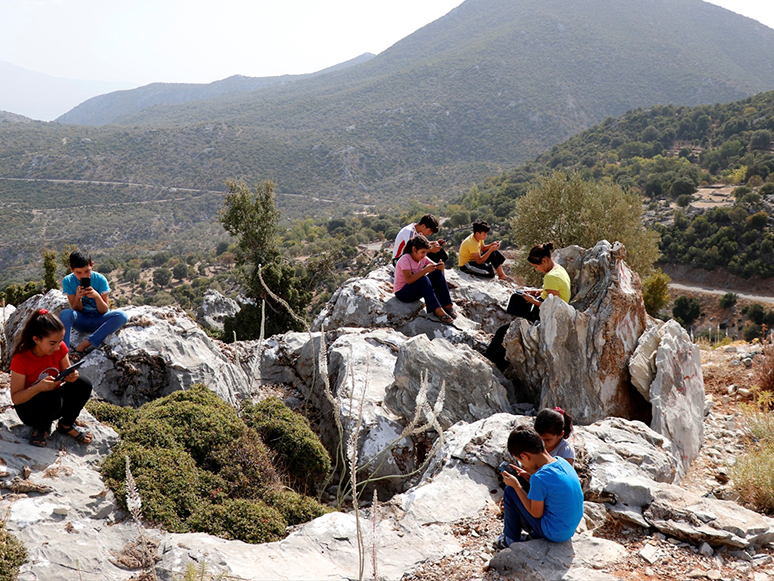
(554,421)
(417,241)
(539,252)
(79,259)
(41,324)
(430,221)
(525,439)
(481,226)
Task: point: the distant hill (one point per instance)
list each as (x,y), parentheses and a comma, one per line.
(44,97)
(105,109)
(486,87)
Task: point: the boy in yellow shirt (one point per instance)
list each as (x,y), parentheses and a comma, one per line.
(479,259)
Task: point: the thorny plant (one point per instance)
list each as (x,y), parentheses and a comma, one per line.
(352,485)
(134,504)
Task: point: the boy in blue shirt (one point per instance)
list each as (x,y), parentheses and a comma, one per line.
(87,292)
(553,508)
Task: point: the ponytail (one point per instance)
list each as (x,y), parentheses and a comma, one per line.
(539,252)
(554,421)
(41,324)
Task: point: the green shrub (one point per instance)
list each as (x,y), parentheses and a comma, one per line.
(728,300)
(297,447)
(295,508)
(247,466)
(115,416)
(655,292)
(686,310)
(247,520)
(753,476)
(13,554)
(752,331)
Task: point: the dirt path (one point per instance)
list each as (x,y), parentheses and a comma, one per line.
(712,291)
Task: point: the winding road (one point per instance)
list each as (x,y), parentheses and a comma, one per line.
(712,291)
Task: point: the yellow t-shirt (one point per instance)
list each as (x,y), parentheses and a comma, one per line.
(557,279)
(468,248)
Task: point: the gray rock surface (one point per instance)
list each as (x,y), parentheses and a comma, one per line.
(161,350)
(473,390)
(215,308)
(577,356)
(54,301)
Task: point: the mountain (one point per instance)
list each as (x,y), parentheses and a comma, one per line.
(486,87)
(44,97)
(105,109)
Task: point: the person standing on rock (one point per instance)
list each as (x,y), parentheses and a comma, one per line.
(416,276)
(426,226)
(479,259)
(90,312)
(39,398)
(553,508)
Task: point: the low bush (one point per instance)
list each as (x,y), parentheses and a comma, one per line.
(753,476)
(199,467)
(288,434)
(764,370)
(13,554)
(728,300)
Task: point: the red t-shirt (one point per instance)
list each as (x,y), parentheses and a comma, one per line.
(35,368)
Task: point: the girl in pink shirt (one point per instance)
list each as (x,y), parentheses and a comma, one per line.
(416,276)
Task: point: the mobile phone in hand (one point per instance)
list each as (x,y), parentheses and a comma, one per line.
(505,466)
(86,282)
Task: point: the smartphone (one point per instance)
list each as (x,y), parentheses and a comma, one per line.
(505,466)
(86,282)
(441,242)
(69,370)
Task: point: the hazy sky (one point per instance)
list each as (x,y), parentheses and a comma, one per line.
(142,41)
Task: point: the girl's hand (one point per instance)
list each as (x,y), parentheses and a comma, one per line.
(428,269)
(531,299)
(72,377)
(47,384)
(440,265)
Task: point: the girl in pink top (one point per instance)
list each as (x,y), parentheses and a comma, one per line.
(416,276)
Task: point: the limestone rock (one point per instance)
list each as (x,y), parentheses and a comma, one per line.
(576,357)
(215,309)
(159,351)
(472,388)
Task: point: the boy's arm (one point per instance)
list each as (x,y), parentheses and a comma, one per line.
(103,303)
(534,507)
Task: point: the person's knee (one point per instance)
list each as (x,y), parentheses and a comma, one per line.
(120,316)
(67,317)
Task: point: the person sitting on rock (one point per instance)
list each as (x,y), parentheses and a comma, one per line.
(554,427)
(90,312)
(553,508)
(416,276)
(426,226)
(526,303)
(479,259)
(38,358)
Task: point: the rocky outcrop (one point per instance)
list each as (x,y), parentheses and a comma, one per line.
(161,350)
(472,388)
(54,301)
(215,309)
(369,302)
(576,356)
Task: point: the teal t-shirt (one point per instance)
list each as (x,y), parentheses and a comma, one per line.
(98,282)
(557,485)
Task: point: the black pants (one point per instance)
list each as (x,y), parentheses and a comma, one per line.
(63,403)
(518,306)
(487,269)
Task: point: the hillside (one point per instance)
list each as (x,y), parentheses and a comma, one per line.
(486,87)
(105,109)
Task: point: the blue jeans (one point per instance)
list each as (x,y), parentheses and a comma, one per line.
(514,511)
(99,325)
(432,287)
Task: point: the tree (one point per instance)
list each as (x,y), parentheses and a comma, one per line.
(180,270)
(49,269)
(686,310)
(728,300)
(655,292)
(567,209)
(252,219)
(162,276)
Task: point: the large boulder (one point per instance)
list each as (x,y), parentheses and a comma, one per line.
(215,309)
(159,351)
(666,369)
(577,355)
(473,387)
(369,302)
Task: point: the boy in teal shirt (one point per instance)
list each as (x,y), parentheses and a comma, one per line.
(553,508)
(90,311)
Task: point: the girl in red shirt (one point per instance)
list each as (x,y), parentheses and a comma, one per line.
(38,358)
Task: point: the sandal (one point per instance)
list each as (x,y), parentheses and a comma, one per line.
(445,319)
(499,543)
(38,438)
(452,313)
(76,356)
(80,436)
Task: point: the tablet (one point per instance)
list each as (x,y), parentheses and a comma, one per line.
(69,370)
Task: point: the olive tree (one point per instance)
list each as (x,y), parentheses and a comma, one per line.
(566,209)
